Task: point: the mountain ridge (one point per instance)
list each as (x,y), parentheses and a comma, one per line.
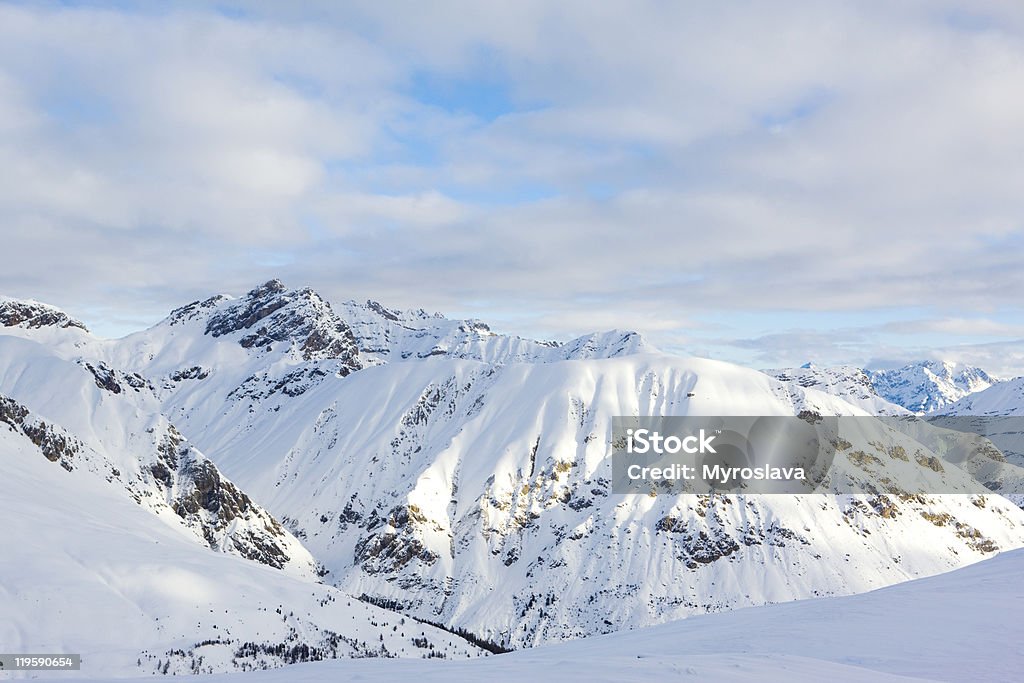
(462,476)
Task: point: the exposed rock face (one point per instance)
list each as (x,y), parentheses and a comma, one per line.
(114,381)
(33,315)
(55,444)
(194,372)
(113,431)
(395,543)
(196,491)
(271,314)
(194,310)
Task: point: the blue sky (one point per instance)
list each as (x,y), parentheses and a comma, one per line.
(831,181)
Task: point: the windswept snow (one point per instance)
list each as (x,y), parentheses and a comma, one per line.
(960,626)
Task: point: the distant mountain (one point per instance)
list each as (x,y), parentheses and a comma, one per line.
(927,386)
(922,387)
(1004,398)
(850,383)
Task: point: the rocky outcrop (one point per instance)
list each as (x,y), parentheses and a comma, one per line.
(55,444)
(271,314)
(174,475)
(394,543)
(34,315)
(194,310)
(114,381)
(213,507)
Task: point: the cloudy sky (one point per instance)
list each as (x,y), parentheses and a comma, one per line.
(761,182)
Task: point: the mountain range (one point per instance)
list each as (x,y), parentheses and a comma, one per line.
(921,387)
(450,485)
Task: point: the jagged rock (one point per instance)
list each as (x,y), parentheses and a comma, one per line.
(271,314)
(194,372)
(55,444)
(194,310)
(34,315)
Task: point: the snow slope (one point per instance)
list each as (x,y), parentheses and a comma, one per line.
(960,626)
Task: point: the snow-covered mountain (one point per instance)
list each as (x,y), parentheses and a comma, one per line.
(927,386)
(106,424)
(111,516)
(479,496)
(276,323)
(87,569)
(922,387)
(463,477)
(385,335)
(850,383)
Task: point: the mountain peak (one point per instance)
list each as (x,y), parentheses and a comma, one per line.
(34,315)
(279,328)
(382,310)
(271,313)
(274,286)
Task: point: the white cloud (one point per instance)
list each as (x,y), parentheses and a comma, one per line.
(967,327)
(658,162)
